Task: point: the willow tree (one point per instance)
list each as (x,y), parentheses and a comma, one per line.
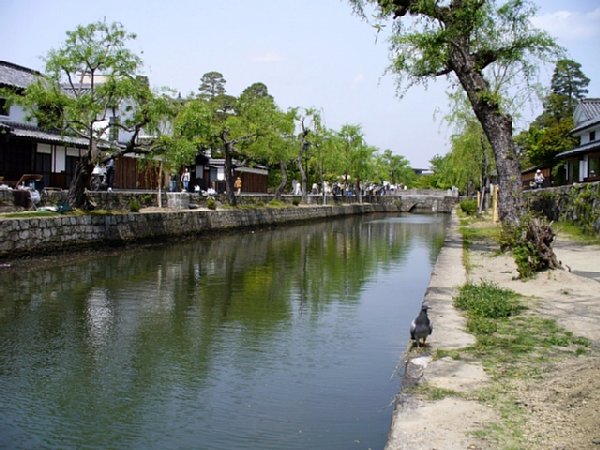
(461,39)
(88,82)
(351,137)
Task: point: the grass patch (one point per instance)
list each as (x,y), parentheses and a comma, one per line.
(445,353)
(512,345)
(487,301)
(433,393)
(277,204)
(575,233)
(508,342)
(29,214)
(476,229)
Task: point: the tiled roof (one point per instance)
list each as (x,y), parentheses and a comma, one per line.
(32,132)
(13,75)
(590,108)
(587,148)
(585,125)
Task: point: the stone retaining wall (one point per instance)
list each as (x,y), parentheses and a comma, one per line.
(578,203)
(20,237)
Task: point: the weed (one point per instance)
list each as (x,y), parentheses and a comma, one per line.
(274,203)
(431,392)
(487,301)
(134,205)
(469,206)
(443,353)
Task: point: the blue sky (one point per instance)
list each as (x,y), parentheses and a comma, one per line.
(312,53)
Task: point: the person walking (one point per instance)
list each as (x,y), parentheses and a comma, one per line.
(185,179)
(110,173)
(238,186)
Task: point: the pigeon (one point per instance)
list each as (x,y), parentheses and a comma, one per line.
(421,327)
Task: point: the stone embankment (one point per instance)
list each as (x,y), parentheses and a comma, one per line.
(42,235)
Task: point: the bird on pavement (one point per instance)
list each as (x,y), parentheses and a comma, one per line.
(421,327)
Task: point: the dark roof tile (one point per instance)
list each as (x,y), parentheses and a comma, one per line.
(13,75)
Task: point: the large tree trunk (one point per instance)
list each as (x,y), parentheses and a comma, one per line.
(284,179)
(358,190)
(77,197)
(497,126)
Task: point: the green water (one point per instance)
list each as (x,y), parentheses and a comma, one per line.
(277,339)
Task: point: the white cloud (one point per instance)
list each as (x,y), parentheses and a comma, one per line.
(267,57)
(569,25)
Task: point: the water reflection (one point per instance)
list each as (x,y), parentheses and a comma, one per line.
(282,338)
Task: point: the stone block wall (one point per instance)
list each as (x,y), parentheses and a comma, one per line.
(21,236)
(579,204)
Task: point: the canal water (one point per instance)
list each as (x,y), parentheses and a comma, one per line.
(274,339)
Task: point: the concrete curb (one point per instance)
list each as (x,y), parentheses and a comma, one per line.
(442,424)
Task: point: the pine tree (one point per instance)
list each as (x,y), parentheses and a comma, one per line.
(569,83)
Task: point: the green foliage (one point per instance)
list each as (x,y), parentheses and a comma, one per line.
(576,232)
(146,199)
(211,203)
(393,168)
(134,205)
(296,201)
(520,239)
(487,301)
(569,80)
(584,200)
(274,203)
(527,258)
(549,134)
(212,84)
(99,72)
(469,206)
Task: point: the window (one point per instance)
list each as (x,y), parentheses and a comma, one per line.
(592,136)
(3,107)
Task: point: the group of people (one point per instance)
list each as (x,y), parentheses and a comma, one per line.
(185,183)
(103,176)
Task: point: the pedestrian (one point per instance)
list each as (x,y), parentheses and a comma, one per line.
(539,179)
(185,179)
(110,173)
(238,186)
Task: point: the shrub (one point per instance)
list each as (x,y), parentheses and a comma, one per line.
(134,205)
(469,206)
(211,203)
(296,201)
(488,301)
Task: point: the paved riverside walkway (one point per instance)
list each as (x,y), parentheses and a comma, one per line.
(570,297)
(442,424)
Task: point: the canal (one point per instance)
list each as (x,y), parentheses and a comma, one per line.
(285,338)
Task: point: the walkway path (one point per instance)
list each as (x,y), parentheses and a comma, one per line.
(572,298)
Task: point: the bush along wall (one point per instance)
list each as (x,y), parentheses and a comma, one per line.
(579,204)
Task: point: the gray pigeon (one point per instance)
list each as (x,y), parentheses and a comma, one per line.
(421,327)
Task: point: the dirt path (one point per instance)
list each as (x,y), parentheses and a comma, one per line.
(562,407)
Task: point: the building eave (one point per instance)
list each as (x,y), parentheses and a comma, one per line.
(34,133)
(585,125)
(587,148)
